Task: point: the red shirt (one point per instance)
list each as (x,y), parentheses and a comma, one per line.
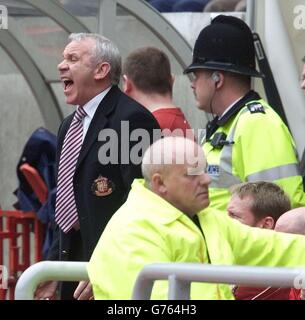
(295,294)
(171,118)
(249,293)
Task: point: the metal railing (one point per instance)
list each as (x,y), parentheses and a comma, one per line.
(180,276)
(47,271)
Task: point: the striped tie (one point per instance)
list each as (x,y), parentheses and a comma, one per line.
(65,209)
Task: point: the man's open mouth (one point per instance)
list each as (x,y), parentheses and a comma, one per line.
(67,84)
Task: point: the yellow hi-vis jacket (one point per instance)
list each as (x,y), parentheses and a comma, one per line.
(258,146)
(147,229)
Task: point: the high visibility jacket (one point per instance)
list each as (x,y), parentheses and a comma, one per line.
(147,229)
(257,146)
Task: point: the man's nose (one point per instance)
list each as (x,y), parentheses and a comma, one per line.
(205,179)
(62,65)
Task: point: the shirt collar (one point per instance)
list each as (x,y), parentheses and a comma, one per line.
(230,112)
(229,107)
(91,106)
(237,106)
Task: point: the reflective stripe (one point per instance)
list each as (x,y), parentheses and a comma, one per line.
(226,179)
(276,173)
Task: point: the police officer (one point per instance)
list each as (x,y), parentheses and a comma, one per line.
(246,140)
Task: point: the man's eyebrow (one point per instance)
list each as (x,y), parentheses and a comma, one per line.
(69,54)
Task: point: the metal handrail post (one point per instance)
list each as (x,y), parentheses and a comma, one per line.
(180,275)
(47,271)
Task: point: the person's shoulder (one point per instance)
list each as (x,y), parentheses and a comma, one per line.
(133,105)
(65,124)
(258,108)
(175,111)
(255,107)
(68,118)
(130,108)
(257,114)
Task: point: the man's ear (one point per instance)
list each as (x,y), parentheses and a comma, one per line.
(102,70)
(157,184)
(267,223)
(127,84)
(218,79)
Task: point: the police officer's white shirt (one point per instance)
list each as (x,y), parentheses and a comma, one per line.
(90,108)
(230,107)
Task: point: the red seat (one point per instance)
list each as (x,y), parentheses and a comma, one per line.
(19,224)
(35,181)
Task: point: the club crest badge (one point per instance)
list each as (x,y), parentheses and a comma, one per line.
(102,187)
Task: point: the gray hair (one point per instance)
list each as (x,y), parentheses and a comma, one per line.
(104,51)
(149,167)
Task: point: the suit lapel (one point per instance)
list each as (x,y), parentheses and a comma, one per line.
(98,122)
(62,131)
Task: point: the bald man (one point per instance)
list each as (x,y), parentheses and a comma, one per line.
(293,221)
(158,223)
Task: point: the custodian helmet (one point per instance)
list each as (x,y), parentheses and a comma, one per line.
(226,44)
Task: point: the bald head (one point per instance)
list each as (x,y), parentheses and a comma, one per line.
(292,221)
(174,169)
(169,151)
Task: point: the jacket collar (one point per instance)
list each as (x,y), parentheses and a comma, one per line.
(99,121)
(91,106)
(250,96)
(168,212)
(213,125)
(160,208)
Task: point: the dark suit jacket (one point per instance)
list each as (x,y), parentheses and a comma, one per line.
(94,208)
